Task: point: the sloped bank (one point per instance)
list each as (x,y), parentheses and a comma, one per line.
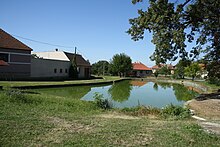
(201,89)
(68,84)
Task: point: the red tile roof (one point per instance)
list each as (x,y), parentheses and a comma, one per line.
(9,42)
(155,67)
(140,66)
(162,65)
(3,63)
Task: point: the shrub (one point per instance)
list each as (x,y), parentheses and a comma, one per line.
(141,111)
(175,111)
(102,103)
(214,80)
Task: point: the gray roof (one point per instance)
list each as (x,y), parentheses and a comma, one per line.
(79,59)
(63,56)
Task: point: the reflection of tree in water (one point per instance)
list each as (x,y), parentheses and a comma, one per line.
(165,85)
(70,92)
(120,91)
(162,85)
(155,86)
(182,93)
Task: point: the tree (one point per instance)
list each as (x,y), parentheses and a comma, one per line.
(192,70)
(100,68)
(164,70)
(121,64)
(179,70)
(214,72)
(73,73)
(156,73)
(174,23)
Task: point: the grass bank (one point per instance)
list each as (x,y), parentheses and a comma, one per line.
(42,84)
(46,120)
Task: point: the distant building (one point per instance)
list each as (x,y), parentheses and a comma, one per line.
(15,58)
(140,70)
(56,64)
(169,66)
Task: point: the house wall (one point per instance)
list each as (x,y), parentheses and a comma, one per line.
(84,72)
(45,68)
(142,73)
(19,64)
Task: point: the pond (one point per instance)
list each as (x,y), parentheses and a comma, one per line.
(129,93)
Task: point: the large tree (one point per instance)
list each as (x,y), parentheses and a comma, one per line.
(100,68)
(192,70)
(179,69)
(164,70)
(173,23)
(121,64)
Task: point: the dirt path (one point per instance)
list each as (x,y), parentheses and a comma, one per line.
(207,112)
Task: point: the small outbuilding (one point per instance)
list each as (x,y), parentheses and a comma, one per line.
(140,70)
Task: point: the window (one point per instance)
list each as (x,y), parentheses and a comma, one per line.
(141,71)
(66,70)
(61,70)
(55,70)
(4,57)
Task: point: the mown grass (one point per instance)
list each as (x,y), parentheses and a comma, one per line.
(47,120)
(8,84)
(213,87)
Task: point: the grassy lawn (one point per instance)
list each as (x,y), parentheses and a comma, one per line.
(8,84)
(212,86)
(47,120)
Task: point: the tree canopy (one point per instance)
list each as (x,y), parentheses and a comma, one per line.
(100,68)
(121,64)
(192,70)
(175,23)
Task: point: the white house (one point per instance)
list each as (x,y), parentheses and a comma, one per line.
(56,64)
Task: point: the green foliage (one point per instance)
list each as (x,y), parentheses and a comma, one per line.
(214,72)
(175,111)
(156,74)
(172,23)
(73,73)
(182,93)
(100,68)
(141,111)
(121,64)
(120,91)
(179,69)
(192,70)
(101,102)
(164,70)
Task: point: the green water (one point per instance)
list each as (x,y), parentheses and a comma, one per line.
(129,93)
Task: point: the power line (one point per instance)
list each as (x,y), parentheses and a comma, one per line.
(41,42)
(56,45)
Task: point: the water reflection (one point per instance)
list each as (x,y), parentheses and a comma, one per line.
(183,93)
(138,83)
(120,91)
(129,93)
(68,92)
(155,86)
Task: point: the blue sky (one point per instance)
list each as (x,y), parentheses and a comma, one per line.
(96,27)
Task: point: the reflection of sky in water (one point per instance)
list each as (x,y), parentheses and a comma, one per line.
(146,94)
